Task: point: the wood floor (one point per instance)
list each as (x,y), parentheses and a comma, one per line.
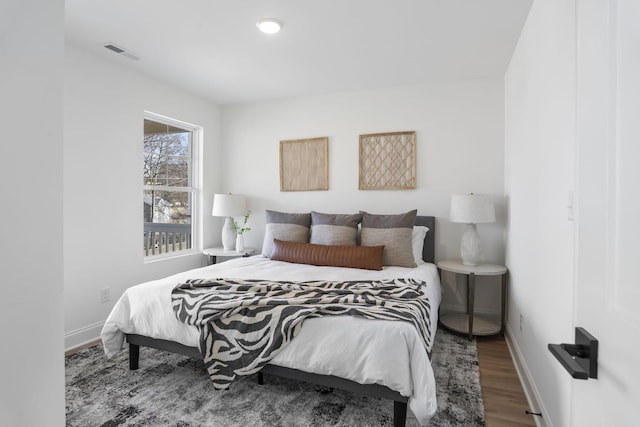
(504,400)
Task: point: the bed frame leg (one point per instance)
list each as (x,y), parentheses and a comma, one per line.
(134,356)
(260,378)
(399,413)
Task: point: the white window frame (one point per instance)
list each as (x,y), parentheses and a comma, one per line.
(195,188)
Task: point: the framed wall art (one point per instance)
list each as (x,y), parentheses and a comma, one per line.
(387,161)
(304,164)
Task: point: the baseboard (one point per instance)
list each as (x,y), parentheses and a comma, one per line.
(528,385)
(82,336)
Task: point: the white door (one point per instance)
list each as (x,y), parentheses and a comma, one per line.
(608,202)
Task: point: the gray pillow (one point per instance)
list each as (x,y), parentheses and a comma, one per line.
(334,229)
(392,231)
(288,227)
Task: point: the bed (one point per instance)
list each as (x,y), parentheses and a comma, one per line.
(379,358)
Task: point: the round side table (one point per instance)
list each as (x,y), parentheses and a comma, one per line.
(471,323)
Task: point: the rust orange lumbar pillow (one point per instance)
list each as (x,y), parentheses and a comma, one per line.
(365,257)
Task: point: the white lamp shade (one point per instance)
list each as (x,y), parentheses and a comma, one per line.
(472,208)
(229,205)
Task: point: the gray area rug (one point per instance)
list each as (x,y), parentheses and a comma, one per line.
(174,390)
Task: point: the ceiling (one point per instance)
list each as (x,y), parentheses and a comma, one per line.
(212,47)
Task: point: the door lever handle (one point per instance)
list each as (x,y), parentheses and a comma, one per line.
(579,359)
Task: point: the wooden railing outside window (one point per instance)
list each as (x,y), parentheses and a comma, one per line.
(162,238)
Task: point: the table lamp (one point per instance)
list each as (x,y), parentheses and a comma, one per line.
(471,209)
(229,205)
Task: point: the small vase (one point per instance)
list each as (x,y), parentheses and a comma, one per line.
(240,243)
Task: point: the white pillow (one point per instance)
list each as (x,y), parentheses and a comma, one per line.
(417,242)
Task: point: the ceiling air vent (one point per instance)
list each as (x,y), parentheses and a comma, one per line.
(112,47)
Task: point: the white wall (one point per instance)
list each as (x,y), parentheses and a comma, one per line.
(104,104)
(539,173)
(31,316)
(460,143)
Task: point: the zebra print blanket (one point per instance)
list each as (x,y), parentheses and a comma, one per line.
(243,324)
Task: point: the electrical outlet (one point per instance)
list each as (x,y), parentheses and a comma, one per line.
(521,321)
(105,295)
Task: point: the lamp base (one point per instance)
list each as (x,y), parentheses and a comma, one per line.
(470,245)
(228,235)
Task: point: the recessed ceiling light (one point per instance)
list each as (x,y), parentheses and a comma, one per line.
(269,25)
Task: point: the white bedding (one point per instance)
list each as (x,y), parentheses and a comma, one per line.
(383,352)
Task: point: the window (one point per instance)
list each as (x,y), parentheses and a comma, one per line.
(170,185)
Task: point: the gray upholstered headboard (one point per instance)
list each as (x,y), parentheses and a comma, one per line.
(429,248)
